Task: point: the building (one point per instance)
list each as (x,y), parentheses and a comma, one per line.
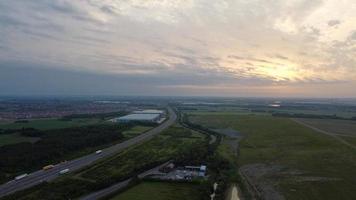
(187,173)
(151,118)
(150,111)
(199,170)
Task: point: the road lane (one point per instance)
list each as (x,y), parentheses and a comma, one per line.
(73,165)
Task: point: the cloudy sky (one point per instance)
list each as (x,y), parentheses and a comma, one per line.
(288,48)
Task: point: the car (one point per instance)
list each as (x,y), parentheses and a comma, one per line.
(48,167)
(98,151)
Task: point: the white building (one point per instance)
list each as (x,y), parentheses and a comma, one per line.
(153,118)
(150,111)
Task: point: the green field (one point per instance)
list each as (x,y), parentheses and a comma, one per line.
(161,191)
(264,109)
(351,140)
(342,127)
(227,149)
(297,161)
(226,110)
(6,139)
(45,124)
(136,130)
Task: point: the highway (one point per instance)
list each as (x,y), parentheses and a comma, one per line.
(73,165)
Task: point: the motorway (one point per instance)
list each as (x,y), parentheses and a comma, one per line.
(73,165)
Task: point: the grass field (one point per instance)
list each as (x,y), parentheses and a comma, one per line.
(45,124)
(351,140)
(6,139)
(136,130)
(227,149)
(161,191)
(297,161)
(266,110)
(319,111)
(343,127)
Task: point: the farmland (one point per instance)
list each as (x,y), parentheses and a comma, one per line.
(289,159)
(161,191)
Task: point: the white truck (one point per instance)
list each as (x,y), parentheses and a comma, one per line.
(64,171)
(21,176)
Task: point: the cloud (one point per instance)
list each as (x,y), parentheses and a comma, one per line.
(187,42)
(334,22)
(281,57)
(352,36)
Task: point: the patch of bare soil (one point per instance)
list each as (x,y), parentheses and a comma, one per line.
(260,177)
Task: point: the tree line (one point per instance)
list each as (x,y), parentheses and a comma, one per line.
(311,116)
(54,146)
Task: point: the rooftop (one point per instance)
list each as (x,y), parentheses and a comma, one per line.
(139,117)
(149,111)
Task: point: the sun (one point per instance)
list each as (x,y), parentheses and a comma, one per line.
(279,71)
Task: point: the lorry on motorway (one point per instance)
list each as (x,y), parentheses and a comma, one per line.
(20,176)
(64,171)
(98,151)
(47,167)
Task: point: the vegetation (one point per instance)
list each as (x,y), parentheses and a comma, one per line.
(6,139)
(46,124)
(101,116)
(306,164)
(166,146)
(161,191)
(54,146)
(220,167)
(171,143)
(302,115)
(342,127)
(68,121)
(136,130)
(350,140)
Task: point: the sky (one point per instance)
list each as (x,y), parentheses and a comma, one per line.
(257,48)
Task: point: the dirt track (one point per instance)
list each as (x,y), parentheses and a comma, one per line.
(336,136)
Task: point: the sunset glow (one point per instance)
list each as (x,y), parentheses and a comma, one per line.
(226,44)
